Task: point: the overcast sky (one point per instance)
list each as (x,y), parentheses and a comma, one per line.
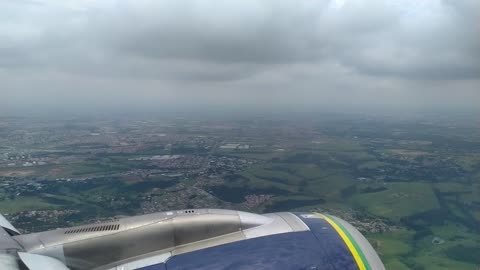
(338,54)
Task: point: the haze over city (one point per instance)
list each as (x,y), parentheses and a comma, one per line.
(84,56)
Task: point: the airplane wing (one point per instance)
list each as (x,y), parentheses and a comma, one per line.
(195,239)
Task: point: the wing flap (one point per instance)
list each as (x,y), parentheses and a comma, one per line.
(7,226)
(40,262)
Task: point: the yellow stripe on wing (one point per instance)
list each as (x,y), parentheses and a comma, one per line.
(347,241)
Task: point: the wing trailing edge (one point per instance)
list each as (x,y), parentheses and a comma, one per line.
(40,262)
(8,226)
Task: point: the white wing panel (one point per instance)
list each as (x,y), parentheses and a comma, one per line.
(39,262)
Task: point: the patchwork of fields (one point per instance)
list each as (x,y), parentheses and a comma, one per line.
(413,190)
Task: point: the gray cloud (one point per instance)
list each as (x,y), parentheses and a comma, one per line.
(317,48)
(376,37)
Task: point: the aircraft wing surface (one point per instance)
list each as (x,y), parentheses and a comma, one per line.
(199,239)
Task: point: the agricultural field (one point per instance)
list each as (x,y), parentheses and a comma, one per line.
(412,189)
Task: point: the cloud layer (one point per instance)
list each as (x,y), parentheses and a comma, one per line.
(395,53)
